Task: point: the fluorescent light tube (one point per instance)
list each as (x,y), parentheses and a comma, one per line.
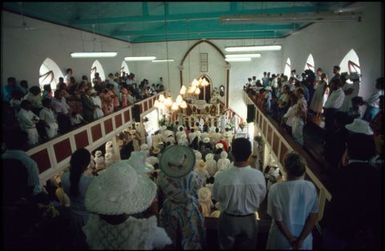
(238,59)
(162,60)
(139,58)
(254,48)
(256,55)
(93,54)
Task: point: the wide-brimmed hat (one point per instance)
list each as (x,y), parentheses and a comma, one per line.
(137,160)
(119,190)
(177,161)
(360,126)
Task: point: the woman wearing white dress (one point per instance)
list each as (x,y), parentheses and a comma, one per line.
(319,98)
(293,206)
(98,112)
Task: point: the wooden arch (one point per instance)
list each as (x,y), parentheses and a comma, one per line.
(220,52)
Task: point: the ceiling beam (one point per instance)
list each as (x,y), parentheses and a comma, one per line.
(189,16)
(182,29)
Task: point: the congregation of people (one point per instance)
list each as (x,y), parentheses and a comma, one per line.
(42,114)
(295,101)
(157,194)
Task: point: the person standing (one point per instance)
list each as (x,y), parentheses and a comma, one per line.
(333,103)
(239,190)
(180,214)
(293,206)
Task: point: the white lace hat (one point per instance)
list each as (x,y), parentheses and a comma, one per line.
(137,160)
(219,146)
(177,161)
(360,126)
(118,190)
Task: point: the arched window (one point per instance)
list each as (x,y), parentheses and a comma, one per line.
(49,73)
(310,63)
(350,63)
(287,70)
(124,68)
(97,67)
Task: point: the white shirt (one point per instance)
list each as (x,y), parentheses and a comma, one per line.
(239,191)
(47,115)
(290,202)
(27,119)
(133,234)
(60,106)
(336,99)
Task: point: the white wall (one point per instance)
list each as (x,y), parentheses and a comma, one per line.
(239,71)
(23,51)
(330,42)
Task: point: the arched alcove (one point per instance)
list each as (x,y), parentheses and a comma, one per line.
(287,70)
(227,66)
(49,73)
(309,65)
(97,67)
(350,63)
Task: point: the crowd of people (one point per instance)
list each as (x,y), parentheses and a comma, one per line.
(42,114)
(160,195)
(296,100)
(157,194)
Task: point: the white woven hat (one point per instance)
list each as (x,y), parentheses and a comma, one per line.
(204,194)
(198,155)
(177,161)
(224,155)
(118,190)
(206,140)
(219,146)
(209,156)
(137,160)
(360,126)
(144,147)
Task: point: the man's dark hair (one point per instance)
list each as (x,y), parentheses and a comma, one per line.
(360,146)
(241,149)
(294,164)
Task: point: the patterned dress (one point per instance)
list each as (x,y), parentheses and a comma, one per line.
(180,214)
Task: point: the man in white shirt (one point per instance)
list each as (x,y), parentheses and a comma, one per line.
(48,116)
(239,190)
(333,103)
(27,121)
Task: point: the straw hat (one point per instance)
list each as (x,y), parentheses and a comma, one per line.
(118,190)
(177,161)
(137,160)
(360,126)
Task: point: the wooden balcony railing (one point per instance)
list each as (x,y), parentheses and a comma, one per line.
(53,156)
(280,144)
